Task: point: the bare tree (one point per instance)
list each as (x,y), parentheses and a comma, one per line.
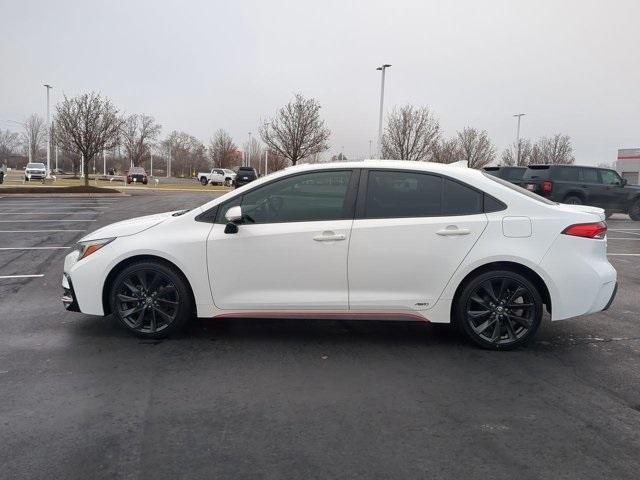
(476,147)
(276,161)
(222,150)
(188,154)
(138,133)
(9,141)
(555,150)
(509,156)
(410,134)
(341,157)
(297,130)
(87,124)
(446,151)
(255,152)
(34,135)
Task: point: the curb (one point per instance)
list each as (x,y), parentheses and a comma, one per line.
(62,195)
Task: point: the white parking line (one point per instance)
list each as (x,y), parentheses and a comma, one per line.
(40,231)
(621,238)
(34,248)
(50,221)
(623,254)
(49,213)
(22,276)
(623,229)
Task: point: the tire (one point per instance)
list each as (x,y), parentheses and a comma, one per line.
(26,179)
(573,200)
(204,181)
(151,299)
(481,312)
(634,210)
(1,178)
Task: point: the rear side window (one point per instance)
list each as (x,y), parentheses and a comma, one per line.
(589,175)
(402,194)
(458,199)
(567,174)
(536,171)
(393,194)
(520,190)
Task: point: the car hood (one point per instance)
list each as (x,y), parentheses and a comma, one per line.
(128,227)
(582,209)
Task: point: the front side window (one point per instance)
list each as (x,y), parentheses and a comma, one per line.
(609,177)
(308,197)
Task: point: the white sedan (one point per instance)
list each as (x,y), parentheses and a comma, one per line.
(379,239)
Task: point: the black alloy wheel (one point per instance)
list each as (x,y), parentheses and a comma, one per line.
(634,211)
(151,299)
(499,310)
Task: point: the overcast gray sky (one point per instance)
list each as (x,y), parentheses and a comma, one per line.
(571,66)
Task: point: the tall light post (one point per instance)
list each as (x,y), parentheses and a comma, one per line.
(382,68)
(519,115)
(248,155)
(48,87)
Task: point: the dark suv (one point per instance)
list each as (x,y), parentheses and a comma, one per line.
(138,174)
(510,174)
(581,185)
(245,175)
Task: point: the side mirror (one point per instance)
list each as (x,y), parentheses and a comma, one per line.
(233,215)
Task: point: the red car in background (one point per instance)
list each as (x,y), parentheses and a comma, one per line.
(138,174)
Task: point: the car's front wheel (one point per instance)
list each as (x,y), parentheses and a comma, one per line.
(150,299)
(499,310)
(204,181)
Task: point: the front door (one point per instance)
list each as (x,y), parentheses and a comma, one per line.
(290,251)
(411,233)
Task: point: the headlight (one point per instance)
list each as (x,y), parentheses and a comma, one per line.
(91,246)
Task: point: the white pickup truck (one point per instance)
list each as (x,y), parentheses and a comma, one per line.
(217,176)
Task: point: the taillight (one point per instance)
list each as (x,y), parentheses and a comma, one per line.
(547,186)
(587,230)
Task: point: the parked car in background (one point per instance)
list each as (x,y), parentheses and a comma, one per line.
(509,253)
(510,174)
(584,185)
(217,176)
(35,171)
(58,171)
(137,174)
(3,172)
(245,175)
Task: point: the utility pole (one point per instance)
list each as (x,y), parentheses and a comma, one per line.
(519,115)
(48,87)
(151,154)
(382,68)
(266,161)
(249,152)
(104,162)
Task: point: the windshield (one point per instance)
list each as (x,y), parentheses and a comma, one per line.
(518,189)
(35,165)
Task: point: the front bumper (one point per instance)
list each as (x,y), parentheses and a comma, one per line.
(68,296)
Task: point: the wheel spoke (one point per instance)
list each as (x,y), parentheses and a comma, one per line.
(164,300)
(515,294)
(503,284)
(130,311)
(163,314)
(479,300)
(484,326)
(496,331)
(140,319)
(488,287)
(510,332)
(155,280)
(478,313)
(525,322)
(152,326)
(130,286)
(519,305)
(142,276)
(126,298)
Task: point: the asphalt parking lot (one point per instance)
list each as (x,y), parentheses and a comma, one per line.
(81,398)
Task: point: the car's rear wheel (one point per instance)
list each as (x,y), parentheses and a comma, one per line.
(499,310)
(151,300)
(634,211)
(573,200)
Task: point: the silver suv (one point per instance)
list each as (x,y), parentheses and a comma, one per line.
(35,171)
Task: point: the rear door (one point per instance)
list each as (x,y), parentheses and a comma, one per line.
(412,230)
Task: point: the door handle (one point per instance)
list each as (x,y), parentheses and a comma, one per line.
(329,236)
(453,231)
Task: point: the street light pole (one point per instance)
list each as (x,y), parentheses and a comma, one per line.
(48,87)
(519,115)
(382,69)
(266,161)
(248,152)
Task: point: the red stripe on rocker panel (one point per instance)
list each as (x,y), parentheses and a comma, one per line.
(326,315)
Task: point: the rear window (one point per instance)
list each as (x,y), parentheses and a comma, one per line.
(513,174)
(536,172)
(520,189)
